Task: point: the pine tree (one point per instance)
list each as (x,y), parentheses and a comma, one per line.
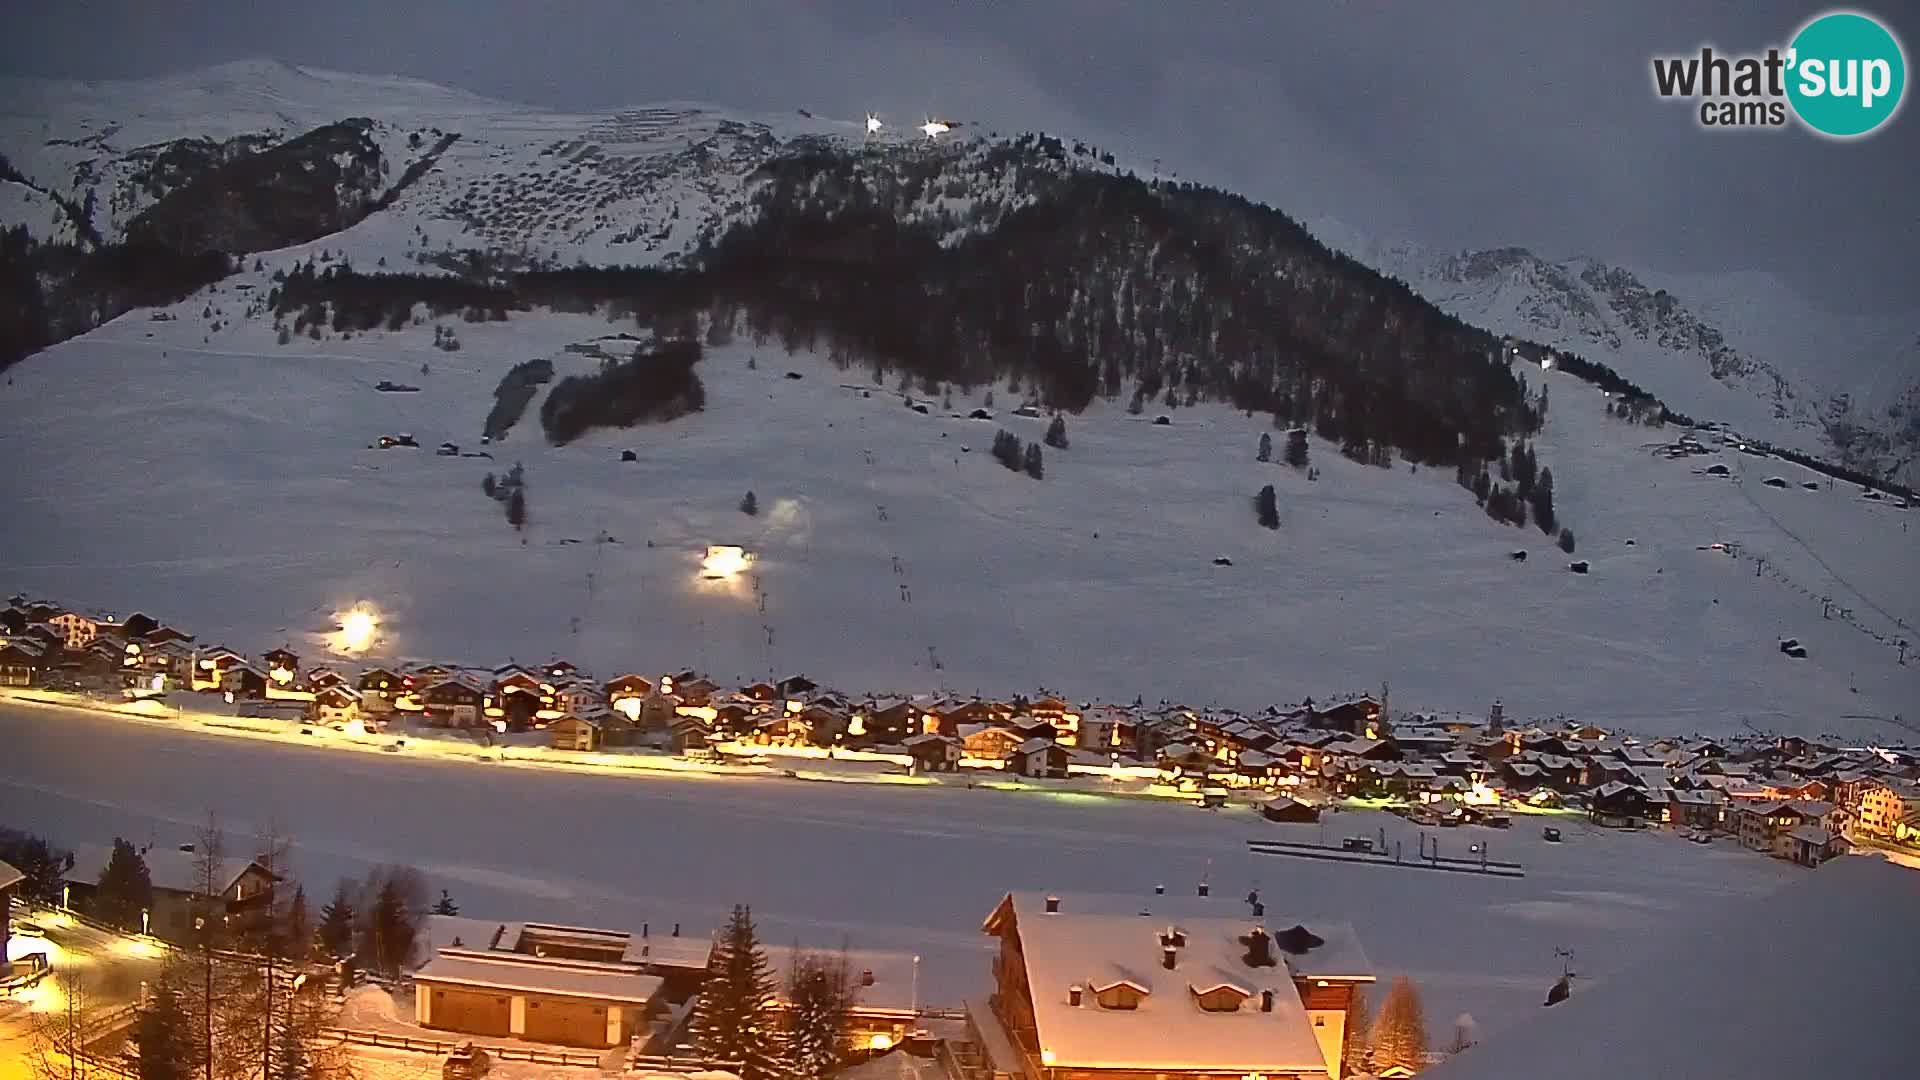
(42,865)
(1006,450)
(1297,448)
(1138,403)
(1542,499)
(487,485)
(297,926)
(731,1021)
(1034,466)
(1265,453)
(386,942)
(336,922)
(1400,1036)
(1056,436)
(125,889)
(750,506)
(517,508)
(445,905)
(1354,1054)
(163,1035)
(819,996)
(1267,508)
(1566,540)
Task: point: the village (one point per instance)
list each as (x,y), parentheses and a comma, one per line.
(543,991)
(1789,797)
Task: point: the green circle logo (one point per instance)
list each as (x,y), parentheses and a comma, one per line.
(1846,74)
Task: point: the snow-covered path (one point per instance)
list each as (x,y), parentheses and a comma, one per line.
(874,868)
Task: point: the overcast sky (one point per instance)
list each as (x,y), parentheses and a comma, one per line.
(1454,125)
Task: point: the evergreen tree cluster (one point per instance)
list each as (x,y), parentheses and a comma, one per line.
(656,384)
(805,1039)
(42,865)
(125,888)
(1400,1032)
(514,393)
(1296,454)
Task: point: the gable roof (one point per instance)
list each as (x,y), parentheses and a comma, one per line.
(168,868)
(9,877)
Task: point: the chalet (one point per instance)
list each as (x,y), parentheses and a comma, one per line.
(1704,808)
(1283,809)
(989,743)
(760,691)
(1811,845)
(1085,986)
(794,686)
(10,880)
(22,662)
(783,730)
(244,681)
(178,876)
(517,696)
(1110,729)
(283,666)
(1032,727)
(884,990)
(336,705)
(732,716)
(1360,716)
(455,701)
(891,720)
(428,671)
(544,996)
(76,630)
(687,733)
(1039,758)
(1257,767)
(1362,748)
(562,669)
(588,729)
(933,753)
(1619,806)
(625,694)
(825,725)
(691,688)
(1885,806)
(383,683)
(160,634)
(210,667)
(1763,825)
(1061,715)
(321,678)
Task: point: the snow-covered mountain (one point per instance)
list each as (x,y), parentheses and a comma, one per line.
(1741,348)
(895,554)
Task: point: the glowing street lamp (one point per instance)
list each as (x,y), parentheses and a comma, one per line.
(724,562)
(358,626)
(936,128)
(873,124)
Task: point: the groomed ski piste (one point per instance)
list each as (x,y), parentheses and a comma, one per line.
(228,486)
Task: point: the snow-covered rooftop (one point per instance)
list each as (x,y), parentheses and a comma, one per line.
(1168,1029)
(534,975)
(1708,1002)
(168,868)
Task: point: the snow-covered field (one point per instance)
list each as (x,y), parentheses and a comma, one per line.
(881,868)
(227,486)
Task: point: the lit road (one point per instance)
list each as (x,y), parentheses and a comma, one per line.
(111,969)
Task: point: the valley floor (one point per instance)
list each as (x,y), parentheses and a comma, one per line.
(826,864)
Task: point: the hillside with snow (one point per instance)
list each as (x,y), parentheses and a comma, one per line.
(219,473)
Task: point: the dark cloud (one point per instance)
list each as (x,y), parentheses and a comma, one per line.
(1447,124)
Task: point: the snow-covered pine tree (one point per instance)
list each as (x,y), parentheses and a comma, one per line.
(1400,1035)
(1034,466)
(517,508)
(1265,453)
(1056,436)
(731,1021)
(750,505)
(1355,1055)
(1566,540)
(445,905)
(819,996)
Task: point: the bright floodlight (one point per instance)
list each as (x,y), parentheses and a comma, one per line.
(724,562)
(873,124)
(936,128)
(1546,362)
(358,627)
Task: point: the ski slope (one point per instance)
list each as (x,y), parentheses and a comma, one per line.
(223,482)
(870,867)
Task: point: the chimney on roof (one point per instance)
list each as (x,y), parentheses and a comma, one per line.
(1159,890)
(643,929)
(1175,937)
(1169,957)
(676,929)
(1203,889)
(1259,909)
(1266,1001)
(1053,905)
(866,977)
(1259,948)
(1073,995)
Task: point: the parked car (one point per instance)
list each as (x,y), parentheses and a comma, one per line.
(1550,834)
